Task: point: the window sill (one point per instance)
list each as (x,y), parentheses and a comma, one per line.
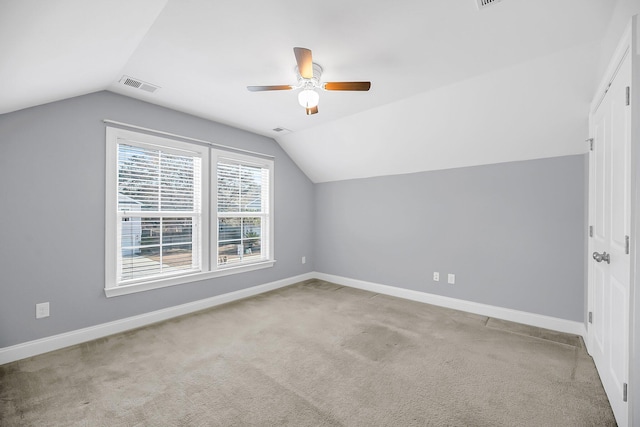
(172,281)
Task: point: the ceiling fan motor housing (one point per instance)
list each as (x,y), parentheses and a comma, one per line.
(313,82)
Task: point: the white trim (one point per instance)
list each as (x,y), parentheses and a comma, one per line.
(55,342)
(622,49)
(187,138)
(634,294)
(184,278)
(538,320)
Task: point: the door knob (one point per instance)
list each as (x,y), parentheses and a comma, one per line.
(602,257)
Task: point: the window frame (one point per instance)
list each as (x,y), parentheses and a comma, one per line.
(209,217)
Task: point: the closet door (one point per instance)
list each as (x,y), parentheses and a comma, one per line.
(609,259)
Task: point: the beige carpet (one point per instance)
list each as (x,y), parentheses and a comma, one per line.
(312,354)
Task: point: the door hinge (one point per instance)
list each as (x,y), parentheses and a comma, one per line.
(590,141)
(591,231)
(624,392)
(628,95)
(591,317)
(626,245)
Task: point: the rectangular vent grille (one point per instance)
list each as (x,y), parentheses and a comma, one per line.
(281,130)
(148,88)
(138,84)
(132,83)
(481,4)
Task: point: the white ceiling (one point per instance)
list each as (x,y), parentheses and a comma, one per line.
(451,86)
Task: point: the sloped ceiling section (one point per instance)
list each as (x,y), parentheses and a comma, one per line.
(451,85)
(532,110)
(51,50)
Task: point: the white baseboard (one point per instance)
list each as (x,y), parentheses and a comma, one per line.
(538,320)
(55,342)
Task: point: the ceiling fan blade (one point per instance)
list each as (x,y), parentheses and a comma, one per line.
(305,63)
(263,88)
(312,110)
(363,86)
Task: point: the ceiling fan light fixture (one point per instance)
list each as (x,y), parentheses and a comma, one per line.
(309,79)
(308,98)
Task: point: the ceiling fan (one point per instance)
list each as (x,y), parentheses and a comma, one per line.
(309,74)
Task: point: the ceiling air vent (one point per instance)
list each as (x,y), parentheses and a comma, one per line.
(138,84)
(481,4)
(281,130)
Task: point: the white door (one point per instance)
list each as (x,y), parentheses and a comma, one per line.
(609,260)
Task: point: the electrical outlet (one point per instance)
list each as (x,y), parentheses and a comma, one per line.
(42,310)
(304,259)
(436,276)
(451,279)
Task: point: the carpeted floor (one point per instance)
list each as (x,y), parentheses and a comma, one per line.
(313,354)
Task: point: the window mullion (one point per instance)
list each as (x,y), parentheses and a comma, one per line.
(159,178)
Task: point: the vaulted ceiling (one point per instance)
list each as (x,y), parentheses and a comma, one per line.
(451,85)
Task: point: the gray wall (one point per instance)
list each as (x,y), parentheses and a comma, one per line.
(512,233)
(52,197)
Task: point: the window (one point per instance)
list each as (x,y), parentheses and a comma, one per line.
(179,212)
(243,210)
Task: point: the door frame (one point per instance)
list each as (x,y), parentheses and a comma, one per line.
(630,42)
(634,290)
